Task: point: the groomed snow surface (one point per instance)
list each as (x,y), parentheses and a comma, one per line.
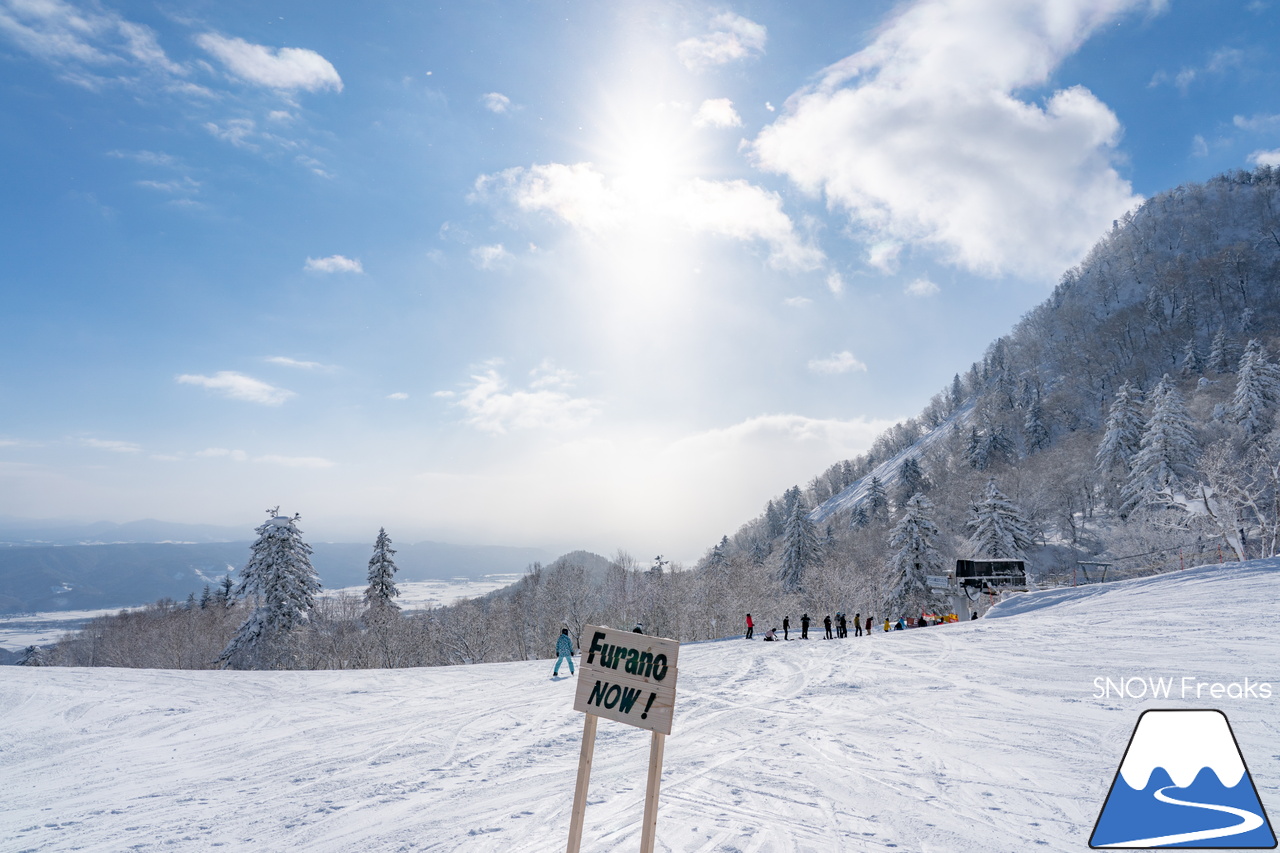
(978,736)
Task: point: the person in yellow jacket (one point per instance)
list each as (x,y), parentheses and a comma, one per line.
(886,624)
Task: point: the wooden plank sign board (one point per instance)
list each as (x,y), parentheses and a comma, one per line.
(627,677)
(630,678)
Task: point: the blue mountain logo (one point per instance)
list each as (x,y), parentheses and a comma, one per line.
(1183,783)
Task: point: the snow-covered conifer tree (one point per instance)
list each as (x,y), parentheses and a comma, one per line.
(988,446)
(1257,389)
(998,528)
(799,546)
(774,521)
(226,591)
(33,656)
(789,499)
(1168,450)
(382,573)
(1034,426)
(1192,364)
(911,480)
(1123,436)
(859,517)
(976,450)
(1220,352)
(914,543)
(280,584)
(877,500)
(718,556)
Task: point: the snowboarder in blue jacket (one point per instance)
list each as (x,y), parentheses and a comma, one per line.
(564,652)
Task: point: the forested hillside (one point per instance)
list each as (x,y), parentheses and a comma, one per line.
(1130,419)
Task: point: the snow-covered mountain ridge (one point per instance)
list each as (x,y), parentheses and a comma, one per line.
(977,736)
(1172,310)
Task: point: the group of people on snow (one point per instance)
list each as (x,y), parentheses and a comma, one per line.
(564,643)
(841,625)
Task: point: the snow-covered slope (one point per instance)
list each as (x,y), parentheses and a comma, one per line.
(987,736)
(888,471)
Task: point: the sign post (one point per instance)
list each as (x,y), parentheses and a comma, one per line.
(630,678)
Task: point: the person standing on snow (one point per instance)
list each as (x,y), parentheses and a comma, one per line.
(886,624)
(786,627)
(826,621)
(857,624)
(842,626)
(869,621)
(564,652)
(751,627)
(804,627)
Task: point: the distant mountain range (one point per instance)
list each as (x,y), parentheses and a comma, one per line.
(63,566)
(26,531)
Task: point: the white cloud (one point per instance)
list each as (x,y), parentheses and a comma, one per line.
(267,459)
(223,453)
(547,375)
(177,186)
(492,408)
(313,165)
(285,361)
(839,362)
(718,112)
(149,158)
(237,131)
(1219,62)
(835,283)
(496,102)
(276,68)
(746,212)
(1256,122)
(237,386)
(731,38)
(1265,158)
(69,37)
(883,255)
(491,257)
(921,287)
(333,263)
(399,395)
(113,446)
(921,137)
(581,196)
(797,301)
(577,194)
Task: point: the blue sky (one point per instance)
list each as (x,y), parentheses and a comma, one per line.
(560,273)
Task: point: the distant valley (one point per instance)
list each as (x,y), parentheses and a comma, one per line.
(48,568)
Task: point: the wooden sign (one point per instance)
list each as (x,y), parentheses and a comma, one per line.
(630,678)
(627,677)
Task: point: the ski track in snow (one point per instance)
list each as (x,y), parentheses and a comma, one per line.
(977,736)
